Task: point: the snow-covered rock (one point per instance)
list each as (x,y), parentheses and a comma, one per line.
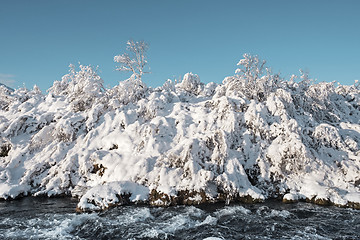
(187,143)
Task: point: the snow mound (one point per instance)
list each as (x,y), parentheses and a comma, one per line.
(103,196)
(253,137)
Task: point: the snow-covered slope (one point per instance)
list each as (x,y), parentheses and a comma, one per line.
(253,137)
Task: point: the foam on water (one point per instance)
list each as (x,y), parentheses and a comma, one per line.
(170,223)
(231,211)
(213,238)
(44,227)
(209,220)
(138,215)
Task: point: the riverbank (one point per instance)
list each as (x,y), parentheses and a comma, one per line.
(187,142)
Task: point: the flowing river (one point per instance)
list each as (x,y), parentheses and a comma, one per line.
(41,218)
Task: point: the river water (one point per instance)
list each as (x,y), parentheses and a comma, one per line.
(41,218)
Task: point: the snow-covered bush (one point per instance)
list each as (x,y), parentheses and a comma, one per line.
(129,91)
(82,88)
(169,86)
(5,147)
(190,83)
(21,95)
(209,89)
(15,98)
(5,98)
(252,80)
(350,93)
(66,128)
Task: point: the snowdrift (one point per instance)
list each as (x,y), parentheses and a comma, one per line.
(253,137)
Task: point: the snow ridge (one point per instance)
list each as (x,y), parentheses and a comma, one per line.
(253,137)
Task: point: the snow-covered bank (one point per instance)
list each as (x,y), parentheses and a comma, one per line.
(253,137)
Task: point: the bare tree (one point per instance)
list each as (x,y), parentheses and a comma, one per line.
(135,59)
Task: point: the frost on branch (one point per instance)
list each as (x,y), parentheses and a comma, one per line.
(253,79)
(134,60)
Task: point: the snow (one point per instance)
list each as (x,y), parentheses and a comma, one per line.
(103,196)
(293,140)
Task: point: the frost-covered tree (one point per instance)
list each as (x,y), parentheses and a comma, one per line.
(134,60)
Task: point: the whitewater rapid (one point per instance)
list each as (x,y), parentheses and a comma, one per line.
(34,218)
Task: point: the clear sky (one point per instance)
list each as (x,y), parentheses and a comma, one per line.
(39,39)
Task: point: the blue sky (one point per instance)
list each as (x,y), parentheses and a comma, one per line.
(39,39)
